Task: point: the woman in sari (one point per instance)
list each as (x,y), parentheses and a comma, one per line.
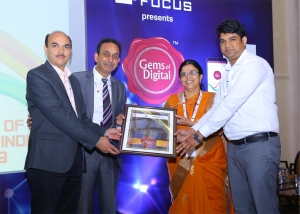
(198,184)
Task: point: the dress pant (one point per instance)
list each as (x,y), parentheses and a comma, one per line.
(56,192)
(102,172)
(252,170)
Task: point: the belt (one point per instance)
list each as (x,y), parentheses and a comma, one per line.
(255,138)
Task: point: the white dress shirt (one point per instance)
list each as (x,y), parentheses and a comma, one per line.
(245,102)
(98,96)
(64,76)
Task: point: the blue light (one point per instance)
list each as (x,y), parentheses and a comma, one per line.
(146,183)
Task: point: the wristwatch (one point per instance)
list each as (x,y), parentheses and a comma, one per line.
(196,138)
(106,133)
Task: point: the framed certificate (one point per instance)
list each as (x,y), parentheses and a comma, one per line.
(149,131)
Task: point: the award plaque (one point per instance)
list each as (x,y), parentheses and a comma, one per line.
(149,131)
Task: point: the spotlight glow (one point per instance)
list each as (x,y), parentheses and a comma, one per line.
(146,187)
(136,186)
(143,188)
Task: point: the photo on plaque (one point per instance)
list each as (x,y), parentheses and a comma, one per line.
(149,131)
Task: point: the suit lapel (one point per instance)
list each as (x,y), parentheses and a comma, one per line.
(89,93)
(57,81)
(114,95)
(76,92)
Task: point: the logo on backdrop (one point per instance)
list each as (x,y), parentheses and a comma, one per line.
(176,5)
(165,4)
(151,67)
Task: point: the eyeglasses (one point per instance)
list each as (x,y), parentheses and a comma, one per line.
(191,73)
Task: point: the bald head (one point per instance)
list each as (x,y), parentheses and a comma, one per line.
(54,32)
(58,48)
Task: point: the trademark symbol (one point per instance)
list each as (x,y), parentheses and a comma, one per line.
(175,42)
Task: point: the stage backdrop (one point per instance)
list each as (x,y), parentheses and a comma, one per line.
(156,36)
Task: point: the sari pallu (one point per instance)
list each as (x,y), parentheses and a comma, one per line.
(199,184)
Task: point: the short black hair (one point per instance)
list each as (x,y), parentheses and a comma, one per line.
(231,26)
(108,40)
(47,37)
(194,63)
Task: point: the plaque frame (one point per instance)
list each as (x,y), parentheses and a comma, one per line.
(149,131)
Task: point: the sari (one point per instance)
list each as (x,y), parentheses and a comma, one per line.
(199,184)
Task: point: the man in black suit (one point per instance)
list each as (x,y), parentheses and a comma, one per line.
(103,170)
(54,159)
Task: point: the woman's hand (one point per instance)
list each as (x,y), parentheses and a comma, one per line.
(183,121)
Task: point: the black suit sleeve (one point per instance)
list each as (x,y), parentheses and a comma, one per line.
(47,101)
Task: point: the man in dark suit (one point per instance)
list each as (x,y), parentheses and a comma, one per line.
(54,159)
(103,170)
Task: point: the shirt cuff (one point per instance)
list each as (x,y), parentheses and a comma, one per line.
(196,126)
(205,130)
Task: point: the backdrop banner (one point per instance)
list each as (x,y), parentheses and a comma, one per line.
(156,36)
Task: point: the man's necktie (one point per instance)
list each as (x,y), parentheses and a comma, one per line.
(107,112)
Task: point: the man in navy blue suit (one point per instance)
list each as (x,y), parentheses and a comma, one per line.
(60,129)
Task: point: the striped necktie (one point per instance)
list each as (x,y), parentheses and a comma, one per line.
(107,112)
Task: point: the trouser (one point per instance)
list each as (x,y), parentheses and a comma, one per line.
(103,172)
(252,170)
(53,192)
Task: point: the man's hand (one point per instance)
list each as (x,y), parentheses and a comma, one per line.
(187,146)
(29,121)
(119,119)
(106,147)
(183,121)
(113,133)
(183,134)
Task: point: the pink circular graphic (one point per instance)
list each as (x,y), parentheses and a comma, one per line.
(151,67)
(8,193)
(217,75)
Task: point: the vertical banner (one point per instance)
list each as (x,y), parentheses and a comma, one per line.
(156,36)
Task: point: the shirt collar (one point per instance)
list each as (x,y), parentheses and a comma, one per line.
(239,61)
(64,75)
(98,77)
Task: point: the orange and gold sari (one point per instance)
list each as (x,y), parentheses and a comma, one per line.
(199,184)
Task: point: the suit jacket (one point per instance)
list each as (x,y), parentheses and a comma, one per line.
(56,130)
(86,79)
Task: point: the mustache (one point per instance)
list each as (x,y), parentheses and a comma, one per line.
(109,63)
(61,55)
